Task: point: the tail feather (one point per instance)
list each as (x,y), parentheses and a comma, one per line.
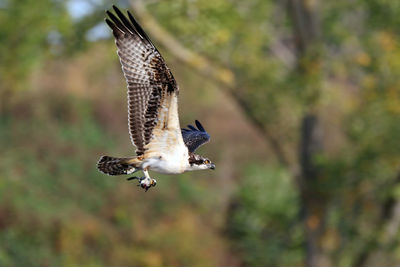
(115,166)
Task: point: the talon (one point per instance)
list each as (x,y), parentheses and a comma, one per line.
(147,183)
(144,182)
(145,186)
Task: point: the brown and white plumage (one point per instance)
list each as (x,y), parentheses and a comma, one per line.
(149,79)
(152,104)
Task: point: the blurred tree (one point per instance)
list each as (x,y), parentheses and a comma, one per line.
(31,31)
(28,28)
(287,85)
(307,34)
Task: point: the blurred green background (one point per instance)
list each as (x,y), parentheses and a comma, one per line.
(301,98)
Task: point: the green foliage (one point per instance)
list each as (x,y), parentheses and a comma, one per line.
(56,209)
(264,220)
(28,29)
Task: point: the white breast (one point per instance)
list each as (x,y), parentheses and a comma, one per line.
(169,163)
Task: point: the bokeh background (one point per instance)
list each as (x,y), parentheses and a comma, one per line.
(301,98)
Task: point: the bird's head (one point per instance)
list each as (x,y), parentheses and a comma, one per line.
(197,162)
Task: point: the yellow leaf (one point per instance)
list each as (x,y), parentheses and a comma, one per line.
(363,59)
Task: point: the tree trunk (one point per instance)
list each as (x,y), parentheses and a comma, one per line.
(306,27)
(313,202)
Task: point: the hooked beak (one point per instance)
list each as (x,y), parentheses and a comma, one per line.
(212,166)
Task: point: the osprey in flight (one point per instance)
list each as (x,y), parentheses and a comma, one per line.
(161,145)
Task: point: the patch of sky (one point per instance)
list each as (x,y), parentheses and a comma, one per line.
(81,8)
(98,32)
(3,3)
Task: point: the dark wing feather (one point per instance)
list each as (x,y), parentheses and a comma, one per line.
(194,137)
(147,76)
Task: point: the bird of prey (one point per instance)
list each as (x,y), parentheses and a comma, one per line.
(161,145)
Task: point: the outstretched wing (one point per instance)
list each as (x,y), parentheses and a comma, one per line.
(193,138)
(151,85)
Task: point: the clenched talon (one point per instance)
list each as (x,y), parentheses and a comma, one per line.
(144,182)
(145,187)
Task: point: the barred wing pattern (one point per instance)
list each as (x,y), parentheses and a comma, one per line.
(148,78)
(193,137)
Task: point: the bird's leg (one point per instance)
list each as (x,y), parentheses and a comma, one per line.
(145,182)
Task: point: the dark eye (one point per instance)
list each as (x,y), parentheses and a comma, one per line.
(206,161)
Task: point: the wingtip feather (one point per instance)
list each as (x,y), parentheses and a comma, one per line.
(124,20)
(118,24)
(109,23)
(199,126)
(128,25)
(191,127)
(139,28)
